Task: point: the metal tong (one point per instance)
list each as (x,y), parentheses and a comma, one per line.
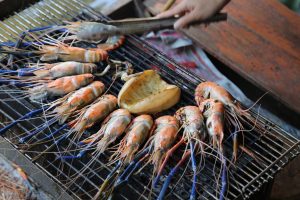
(142,25)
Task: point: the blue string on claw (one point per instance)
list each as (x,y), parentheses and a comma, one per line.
(50,135)
(16,83)
(21,44)
(20,72)
(170,176)
(114,170)
(26,116)
(124,177)
(223,179)
(80,154)
(155,182)
(194,167)
(39,129)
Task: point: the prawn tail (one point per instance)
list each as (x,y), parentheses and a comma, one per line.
(128,153)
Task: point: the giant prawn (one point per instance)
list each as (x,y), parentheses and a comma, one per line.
(44,89)
(137,133)
(63,107)
(163,134)
(234,114)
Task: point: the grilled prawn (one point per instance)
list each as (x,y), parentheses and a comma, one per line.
(67,53)
(213,111)
(61,52)
(63,108)
(165,133)
(44,89)
(112,128)
(234,114)
(59,87)
(137,134)
(78,99)
(194,134)
(65,69)
(96,112)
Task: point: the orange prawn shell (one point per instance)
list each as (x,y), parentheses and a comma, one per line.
(211,90)
(165,132)
(67,53)
(139,130)
(136,135)
(68,84)
(192,120)
(87,94)
(71,68)
(101,109)
(119,125)
(214,110)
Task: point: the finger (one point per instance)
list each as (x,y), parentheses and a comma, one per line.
(186,19)
(178,9)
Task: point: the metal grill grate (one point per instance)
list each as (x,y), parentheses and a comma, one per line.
(274,146)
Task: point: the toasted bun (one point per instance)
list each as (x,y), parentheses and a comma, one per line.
(148,93)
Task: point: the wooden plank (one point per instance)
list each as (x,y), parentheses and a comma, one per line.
(260,41)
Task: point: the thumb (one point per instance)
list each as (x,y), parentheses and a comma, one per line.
(174,11)
(185,20)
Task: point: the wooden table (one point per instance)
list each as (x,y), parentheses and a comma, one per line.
(261,42)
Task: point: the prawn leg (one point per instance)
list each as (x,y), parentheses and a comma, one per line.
(48,136)
(223,178)
(235,147)
(56,142)
(168,155)
(26,116)
(171,174)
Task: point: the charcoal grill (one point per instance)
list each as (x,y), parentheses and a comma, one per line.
(274,146)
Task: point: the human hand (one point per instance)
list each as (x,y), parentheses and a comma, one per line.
(193,10)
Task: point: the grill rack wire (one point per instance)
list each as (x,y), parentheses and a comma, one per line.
(275,147)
